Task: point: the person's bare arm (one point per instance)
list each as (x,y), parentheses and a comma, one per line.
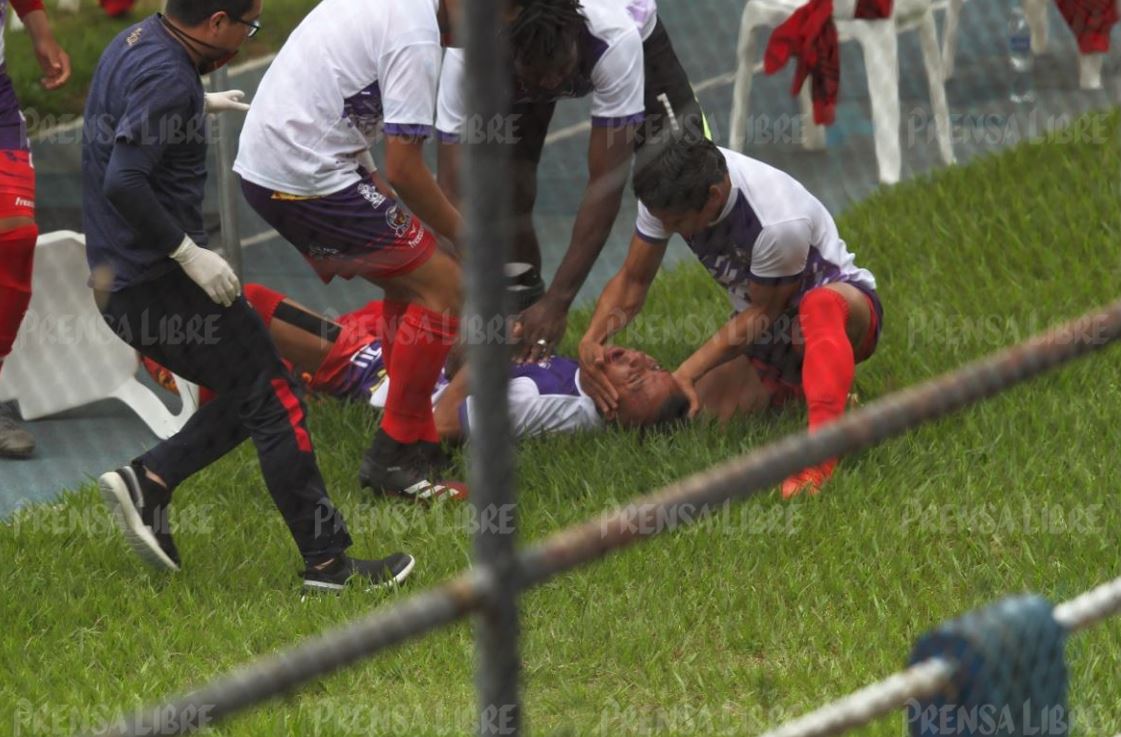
(411,179)
(767,303)
(609,155)
(447,170)
(622,299)
(446,411)
(54,62)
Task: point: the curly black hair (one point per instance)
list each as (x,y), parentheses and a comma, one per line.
(545,34)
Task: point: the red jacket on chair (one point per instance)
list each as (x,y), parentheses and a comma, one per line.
(1090,20)
(811,35)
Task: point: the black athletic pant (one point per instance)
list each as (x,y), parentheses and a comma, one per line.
(229,350)
(664,76)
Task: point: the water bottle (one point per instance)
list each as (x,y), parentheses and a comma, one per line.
(1019,56)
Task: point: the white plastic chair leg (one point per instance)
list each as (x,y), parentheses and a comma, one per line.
(932,61)
(813,135)
(147,406)
(1090,71)
(881,60)
(950,37)
(745,70)
(1035,11)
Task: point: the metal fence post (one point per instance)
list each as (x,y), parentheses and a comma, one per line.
(487,212)
(227,191)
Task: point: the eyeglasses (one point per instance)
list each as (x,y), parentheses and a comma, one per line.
(254,25)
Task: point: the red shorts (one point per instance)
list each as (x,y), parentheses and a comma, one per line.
(354,362)
(17,184)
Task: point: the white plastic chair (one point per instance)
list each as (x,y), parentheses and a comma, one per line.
(1035,11)
(66,356)
(879,43)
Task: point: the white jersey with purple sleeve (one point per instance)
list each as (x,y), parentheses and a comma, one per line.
(350,68)
(772,231)
(544,398)
(611,69)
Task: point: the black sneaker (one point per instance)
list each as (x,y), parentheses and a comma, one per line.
(399,469)
(372,574)
(434,460)
(140,509)
(15,442)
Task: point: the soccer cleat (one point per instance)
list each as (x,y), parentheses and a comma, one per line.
(140,510)
(808,480)
(372,574)
(15,442)
(399,469)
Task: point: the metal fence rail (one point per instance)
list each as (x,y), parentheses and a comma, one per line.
(678,504)
(489,240)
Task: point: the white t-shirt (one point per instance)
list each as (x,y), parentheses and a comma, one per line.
(772,231)
(611,70)
(350,67)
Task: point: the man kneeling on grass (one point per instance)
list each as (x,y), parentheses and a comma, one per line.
(804,313)
(344,360)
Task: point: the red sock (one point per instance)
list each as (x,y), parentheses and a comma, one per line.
(17,254)
(420,348)
(828,366)
(392,314)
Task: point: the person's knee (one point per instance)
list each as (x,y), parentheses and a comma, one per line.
(443,289)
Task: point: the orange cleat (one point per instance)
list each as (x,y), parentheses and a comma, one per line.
(808,480)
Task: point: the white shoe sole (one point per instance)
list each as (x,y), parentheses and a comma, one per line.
(115,493)
(330,588)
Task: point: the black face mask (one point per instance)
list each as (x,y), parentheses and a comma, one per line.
(209,62)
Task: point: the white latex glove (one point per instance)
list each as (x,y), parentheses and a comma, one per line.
(225,101)
(209,270)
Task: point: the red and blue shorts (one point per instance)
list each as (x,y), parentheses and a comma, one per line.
(17,178)
(354,232)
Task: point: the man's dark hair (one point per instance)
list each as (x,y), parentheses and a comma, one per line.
(677,178)
(672,414)
(193,12)
(545,33)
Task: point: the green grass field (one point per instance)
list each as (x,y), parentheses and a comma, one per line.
(84,36)
(728,628)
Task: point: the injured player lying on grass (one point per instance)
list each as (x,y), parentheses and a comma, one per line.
(343,359)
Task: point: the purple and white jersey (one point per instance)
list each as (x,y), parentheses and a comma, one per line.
(772,231)
(611,69)
(544,397)
(350,68)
